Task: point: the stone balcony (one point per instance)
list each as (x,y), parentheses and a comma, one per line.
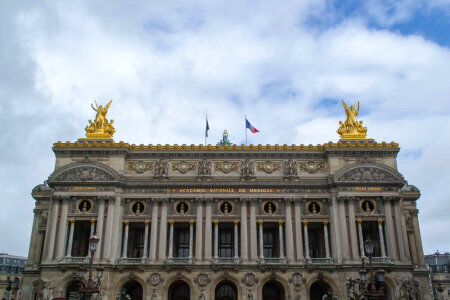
(75,260)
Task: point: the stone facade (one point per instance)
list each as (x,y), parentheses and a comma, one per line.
(238,221)
(439,266)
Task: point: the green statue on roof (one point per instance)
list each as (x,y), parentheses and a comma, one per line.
(225,141)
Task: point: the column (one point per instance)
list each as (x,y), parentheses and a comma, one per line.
(352,224)
(412,242)
(99,230)
(62,229)
(398,228)
(92,227)
(154,231)
(261,240)
(208,232)
(70,242)
(390,229)
(288,232)
(417,238)
(325,237)
(52,233)
(171,241)
(125,240)
(163,232)
(305,234)
(34,236)
(361,238)
(343,230)
(145,254)
(216,239)
(236,238)
(298,231)
(198,232)
(406,238)
(244,251)
(281,240)
(253,237)
(47,229)
(335,237)
(191,238)
(117,229)
(380,233)
(109,230)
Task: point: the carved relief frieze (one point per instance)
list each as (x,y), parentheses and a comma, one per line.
(311,166)
(366,174)
(226,166)
(268,167)
(183,166)
(204,168)
(247,168)
(162,168)
(84,173)
(141,166)
(290,168)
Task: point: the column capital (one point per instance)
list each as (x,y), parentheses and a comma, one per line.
(71,221)
(191,222)
(147,222)
(171,223)
(236,222)
(325,223)
(260,222)
(380,221)
(280,222)
(93,221)
(359,221)
(216,222)
(126,223)
(305,223)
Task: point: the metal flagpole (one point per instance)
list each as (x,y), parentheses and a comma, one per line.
(245,126)
(206,128)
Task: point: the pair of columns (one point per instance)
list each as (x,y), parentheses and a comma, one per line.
(191,239)
(325,237)
(125,239)
(216,239)
(70,238)
(380,234)
(280,239)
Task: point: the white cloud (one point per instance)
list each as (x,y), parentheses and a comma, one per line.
(166,65)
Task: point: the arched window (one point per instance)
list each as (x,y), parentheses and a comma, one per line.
(179,290)
(319,289)
(131,290)
(72,290)
(226,290)
(273,290)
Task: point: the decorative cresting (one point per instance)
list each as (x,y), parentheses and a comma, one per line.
(101,128)
(351,128)
(368,173)
(85,172)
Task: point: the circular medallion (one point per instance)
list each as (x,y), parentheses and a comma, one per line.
(140,167)
(311,167)
(226,167)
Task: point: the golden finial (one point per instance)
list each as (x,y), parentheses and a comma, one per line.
(225,209)
(101,128)
(269,208)
(351,128)
(181,208)
(314,209)
(367,207)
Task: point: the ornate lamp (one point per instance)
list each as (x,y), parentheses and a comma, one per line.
(81,272)
(368,246)
(93,242)
(363,275)
(99,273)
(380,275)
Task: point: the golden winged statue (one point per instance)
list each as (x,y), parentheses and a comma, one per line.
(351,128)
(101,128)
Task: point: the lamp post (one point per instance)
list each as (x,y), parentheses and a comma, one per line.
(371,292)
(90,288)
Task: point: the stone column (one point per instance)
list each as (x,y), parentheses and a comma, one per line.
(261,240)
(298,231)
(216,239)
(253,235)
(145,254)
(199,232)
(412,242)
(47,229)
(154,231)
(336,237)
(163,232)
(191,238)
(288,232)
(62,229)
(92,227)
(406,238)
(236,238)
(125,240)
(352,224)
(305,234)
(99,230)
(109,230)
(171,240)
(398,228)
(208,232)
(117,229)
(34,235)
(52,233)
(70,242)
(417,238)
(390,230)
(244,251)
(281,240)
(361,238)
(38,250)
(325,237)
(380,233)
(343,230)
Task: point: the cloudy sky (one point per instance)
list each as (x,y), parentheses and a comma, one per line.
(285,64)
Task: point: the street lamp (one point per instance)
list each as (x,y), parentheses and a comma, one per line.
(91,287)
(371,292)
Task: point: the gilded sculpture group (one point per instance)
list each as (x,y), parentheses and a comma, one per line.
(101,128)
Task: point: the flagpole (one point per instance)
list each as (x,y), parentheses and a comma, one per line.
(206,130)
(245,126)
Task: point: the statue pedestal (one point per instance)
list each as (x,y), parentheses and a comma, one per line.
(99,135)
(353,136)
(355,140)
(98,140)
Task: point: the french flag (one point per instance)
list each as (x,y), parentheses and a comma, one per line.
(249,126)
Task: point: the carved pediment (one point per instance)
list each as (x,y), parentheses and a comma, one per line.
(368,173)
(83,173)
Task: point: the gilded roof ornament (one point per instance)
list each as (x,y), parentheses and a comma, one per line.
(101,128)
(225,141)
(351,128)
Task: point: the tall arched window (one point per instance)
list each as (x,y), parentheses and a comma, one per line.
(226,290)
(131,290)
(179,290)
(273,290)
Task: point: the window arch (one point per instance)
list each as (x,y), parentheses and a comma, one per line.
(273,290)
(179,290)
(131,290)
(226,290)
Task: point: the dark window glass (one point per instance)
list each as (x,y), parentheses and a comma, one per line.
(270,242)
(226,245)
(181,242)
(316,240)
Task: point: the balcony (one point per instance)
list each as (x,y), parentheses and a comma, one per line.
(133,261)
(75,260)
(180,260)
(226,260)
(381,260)
(320,261)
(272,261)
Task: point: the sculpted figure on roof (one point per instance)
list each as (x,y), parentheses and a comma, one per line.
(101,128)
(351,128)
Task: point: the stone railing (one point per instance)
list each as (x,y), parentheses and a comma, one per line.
(380,260)
(226,260)
(180,260)
(75,260)
(132,261)
(320,261)
(272,261)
